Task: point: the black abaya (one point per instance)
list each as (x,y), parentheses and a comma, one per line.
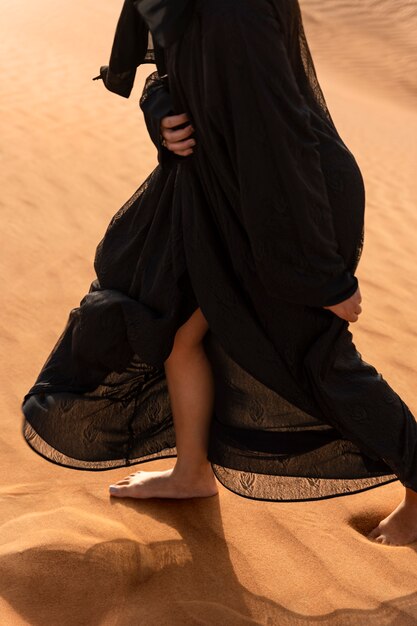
(261,227)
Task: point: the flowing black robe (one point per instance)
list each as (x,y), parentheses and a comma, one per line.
(261,227)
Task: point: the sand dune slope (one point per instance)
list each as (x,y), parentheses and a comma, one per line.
(72,154)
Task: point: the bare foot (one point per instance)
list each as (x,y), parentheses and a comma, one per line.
(399,528)
(166,484)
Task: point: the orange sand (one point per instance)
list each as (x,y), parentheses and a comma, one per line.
(70,555)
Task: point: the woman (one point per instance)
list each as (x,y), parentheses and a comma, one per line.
(217,328)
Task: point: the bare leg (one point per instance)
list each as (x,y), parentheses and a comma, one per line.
(399,528)
(191,390)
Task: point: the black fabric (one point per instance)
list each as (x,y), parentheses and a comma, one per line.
(261,227)
(156,103)
(129,50)
(166,19)
(140,24)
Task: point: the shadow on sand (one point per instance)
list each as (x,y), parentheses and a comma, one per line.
(186,581)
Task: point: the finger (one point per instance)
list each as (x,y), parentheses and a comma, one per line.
(180,145)
(169,121)
(348,315)
(183,152)
(177,135)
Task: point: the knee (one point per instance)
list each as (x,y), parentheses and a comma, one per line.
(184,345)
(189,337)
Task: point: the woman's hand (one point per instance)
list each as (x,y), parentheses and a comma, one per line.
(349,309)
(176,140)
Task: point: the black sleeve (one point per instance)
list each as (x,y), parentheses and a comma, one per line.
(156,103)
(129,48)
(254,102)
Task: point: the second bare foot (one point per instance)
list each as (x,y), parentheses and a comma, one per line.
(399,528)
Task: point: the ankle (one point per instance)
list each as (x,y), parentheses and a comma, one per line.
(193,468)
(411,497)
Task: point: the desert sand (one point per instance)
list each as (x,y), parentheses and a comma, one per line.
(73,153)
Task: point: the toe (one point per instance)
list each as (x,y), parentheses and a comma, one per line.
(116,490)
(381,539)
(374,533)
(121,483)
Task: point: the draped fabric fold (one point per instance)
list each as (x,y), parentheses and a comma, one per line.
(301,262)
